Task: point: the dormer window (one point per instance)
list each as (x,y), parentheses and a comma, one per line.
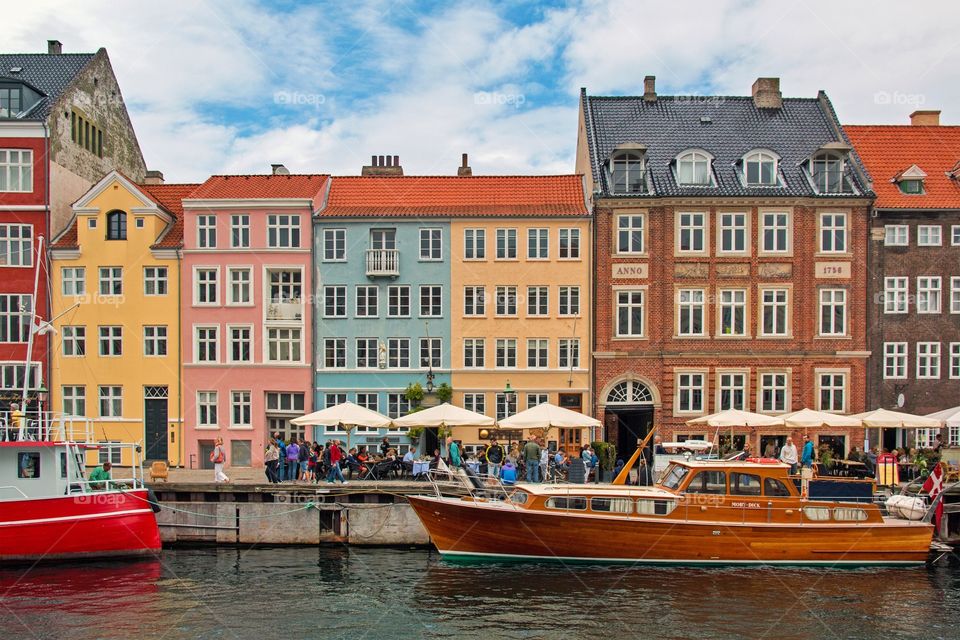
(826,169)
(116,225)
(627,169)
(911,187)
(11,100)
(693,169)
(760,169)
(910,181)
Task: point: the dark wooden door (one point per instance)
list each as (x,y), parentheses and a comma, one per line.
(155,428)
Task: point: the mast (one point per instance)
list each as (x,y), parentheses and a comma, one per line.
(33,315)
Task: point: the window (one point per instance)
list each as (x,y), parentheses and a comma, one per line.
(775,488)
(833,392)
(630,313)
(206,408)
(693,169)
(929,235)
(154,340)
(538,303)
(431,353)
(760,169)
(895,291)
(568,503)
(690,392)
(833,312)
(506,301)
(773,392)
(894,360)
(928,360)
(506,353)
(744,484)
(335,353)
(74,341)
(207,232)
(111,281)
(569,244)
(154,281)
(955,235)
(398,301)
(240,231)
(431,301)
(627,172)
(207,347)
(536,399)
(116,225)
(826,170)
(928,295)
(569,353)
(286,286)
(475,402)
(397,405)
(335,301)
(332,400)
(398,353)
(111,341)
(733,391)
(630,237)
(896,235)
(111,401)
(911,186)
(733,233)
(431,244)
(537,350)
(692,232)
(367,301)
(283,344)
(475,244)
(506,405)
(569,301)
(241,344)
(239,286)
(334,245)
(74,400)
(713,482)
(86,134)
(816,514)
(506,244)
(833,232)
(369,401)
(16,168)
(473,352)
(954,366)
(775,232)
(16,313)
(538,244)
(955,294)
(733,312)
(206,289)
(240,409)
(12,376)
(289,402)
(474,303)
(16,244)
(690,311)
(366,353)
(283,231)
(774,312)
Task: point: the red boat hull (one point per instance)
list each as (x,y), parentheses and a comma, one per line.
(94,525)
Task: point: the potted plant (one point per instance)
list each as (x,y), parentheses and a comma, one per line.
(444,392)
(607,454)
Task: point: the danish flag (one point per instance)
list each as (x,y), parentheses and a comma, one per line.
(933,487)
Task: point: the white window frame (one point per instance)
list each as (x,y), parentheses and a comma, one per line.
(896,235)
(955,235)
(152,336)
(434,244)
(474,353)
(953,365)
(733,226)
(929,289)
(157,277)
(929,235)
(16,317)
(896,294)
(362,346)
(568,353)
(432,295)
(538,352)
(506,405)
(833,234)
(211,285)
(240,231)
(505,303)
(242,400)
(108,278)
(568,301)
(737,301)
(762,386)
(74,343)
(538,243)
(335,352)
(776,228)
(774,304)
(475,244)
(928,361)
(568,243)
(113,395)
(19,167)
(476,402)
(731,382)
(508,348)
(626,234)
(208,339)
(279,224)
(474,301)
(693,158)
(290,339)
(395,349)
(833,383)
(370,304)
(404,297)
(507,234)
(626,300)
(896,360)
(690,303)
(111,337)
(693,225)
(73,281)
(831,299)
(761,157)
(689,384)
(430,353)
(335,240)
(71,394)
(208,413)
(207,231)
(538,301)
(331,293)
(244,285)
(955,294)
(233,340)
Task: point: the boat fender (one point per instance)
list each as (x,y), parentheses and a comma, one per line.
(912,508)
(153,500)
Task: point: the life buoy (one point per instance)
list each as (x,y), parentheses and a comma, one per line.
(764,460)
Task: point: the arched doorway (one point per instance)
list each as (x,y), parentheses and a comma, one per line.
(628,415)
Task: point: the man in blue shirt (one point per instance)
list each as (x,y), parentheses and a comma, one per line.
(806,459)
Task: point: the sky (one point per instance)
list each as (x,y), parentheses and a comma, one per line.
(233,86)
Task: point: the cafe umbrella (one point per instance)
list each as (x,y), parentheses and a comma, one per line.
(346,415)
(735,418)
(811,419)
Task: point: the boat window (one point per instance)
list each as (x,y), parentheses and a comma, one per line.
(28,464)
(518,497)
(674,476)
(63,464)
(773,487)
(576,504)
(655,507)
(818,514)
(744,484)
(849,514)
(615,505)
(708,482)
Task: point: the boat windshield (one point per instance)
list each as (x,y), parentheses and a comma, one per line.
(674,476)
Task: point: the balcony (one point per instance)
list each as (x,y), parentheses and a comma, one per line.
(383,263)
(285,311)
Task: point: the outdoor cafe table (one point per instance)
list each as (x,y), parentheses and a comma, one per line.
(421,467)
(852,467)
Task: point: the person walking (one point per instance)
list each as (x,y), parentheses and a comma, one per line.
(282,457)
(270,462)
(494,458)
(219,457)
(336,455)
(531,453)
(788,455)
(303,457)
(453,452)
(806,460)
(544,461)
(293,459)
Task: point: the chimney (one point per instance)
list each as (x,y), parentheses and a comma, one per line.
(925,119)
(279,170)
(54,47)
(464,168)
(649,89)
(383,166)
(766,93)
(153,177)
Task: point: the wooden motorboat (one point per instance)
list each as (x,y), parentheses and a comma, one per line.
(700,512)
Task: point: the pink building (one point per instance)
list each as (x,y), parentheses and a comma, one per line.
(246,312)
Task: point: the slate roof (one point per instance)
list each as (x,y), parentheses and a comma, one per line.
(889,150)
(50,74)
(736,126)
(261,186)
(446,196)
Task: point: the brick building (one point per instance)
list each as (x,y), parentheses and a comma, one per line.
(731,244)
(914,263)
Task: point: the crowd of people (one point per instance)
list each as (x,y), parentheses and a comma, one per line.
(529,461)
(298,460)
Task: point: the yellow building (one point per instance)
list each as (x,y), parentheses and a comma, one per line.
(115,274)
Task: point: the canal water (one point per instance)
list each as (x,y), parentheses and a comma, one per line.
(355,593)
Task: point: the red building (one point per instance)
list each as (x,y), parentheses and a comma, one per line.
(63,124)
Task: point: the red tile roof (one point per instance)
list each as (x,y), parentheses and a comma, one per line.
(888,150)
(260,187)
(494,196)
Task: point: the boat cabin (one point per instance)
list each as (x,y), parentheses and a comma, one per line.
(41,469)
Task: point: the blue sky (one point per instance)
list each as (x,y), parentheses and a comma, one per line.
(220,86)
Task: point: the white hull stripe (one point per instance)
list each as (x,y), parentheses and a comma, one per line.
(510,556)
(89,516)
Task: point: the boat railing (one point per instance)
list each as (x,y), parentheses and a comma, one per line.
(45,426)
(12,488)
(478,486)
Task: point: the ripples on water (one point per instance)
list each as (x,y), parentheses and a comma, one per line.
(386,593)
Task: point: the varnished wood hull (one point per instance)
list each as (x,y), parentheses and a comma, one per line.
(463,529)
